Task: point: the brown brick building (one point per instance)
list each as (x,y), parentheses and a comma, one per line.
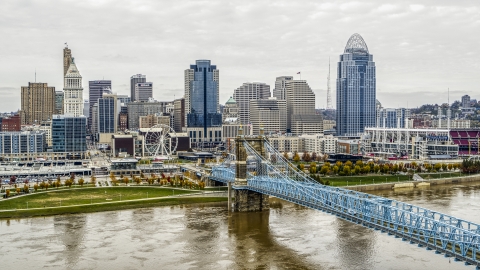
(38,103)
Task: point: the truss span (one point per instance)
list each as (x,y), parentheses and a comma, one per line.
(275,176)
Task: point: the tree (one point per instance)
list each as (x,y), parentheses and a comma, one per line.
(137,180)
(349,163)
(35,187)
(359,163)
(296,157)
(42,185)
(25,188)
(346,170)
(285,155)
(93,179)
(301,167)
(324,170)
(307,157)
(313,167)
(17,190)
(314,156)
(335,169)
(357,169)
(437,166)
(125,180)
(366,169)
(450,166)
(7,193)
(81,182)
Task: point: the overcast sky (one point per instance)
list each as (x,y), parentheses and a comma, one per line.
(421,48)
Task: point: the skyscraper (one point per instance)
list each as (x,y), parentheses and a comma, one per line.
(143,91)
(138,78)
(247,92)
(96,89)
(73,91)
(301,115)
(279,90)
(38,103)
(67,59)
(356,88)
(201,95)
(107,114)
(178,114)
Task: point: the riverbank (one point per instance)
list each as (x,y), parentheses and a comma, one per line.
(415,184)
(87,200)
(110,206)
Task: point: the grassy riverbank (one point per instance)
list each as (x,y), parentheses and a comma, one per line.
(94,200)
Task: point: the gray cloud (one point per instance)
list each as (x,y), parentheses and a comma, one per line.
(418,48)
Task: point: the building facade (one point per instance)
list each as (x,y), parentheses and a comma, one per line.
(143,91)
(22,142)
(96,89)
(202,94)
(356,88)
(247,92)
(69,133)
(269,114)
(11,123)
(138,78)
(107,114)
(137,109)
(178,114)
(230,111)
(73,91)
(58,102)
(38,103)
(301,114)
(280,83)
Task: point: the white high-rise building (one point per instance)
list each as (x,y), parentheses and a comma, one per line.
(73,91)
(247,92)
(279,91)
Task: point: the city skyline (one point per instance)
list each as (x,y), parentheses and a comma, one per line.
(418,58)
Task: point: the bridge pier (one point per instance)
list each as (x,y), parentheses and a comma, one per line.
(250,201)
(247,200)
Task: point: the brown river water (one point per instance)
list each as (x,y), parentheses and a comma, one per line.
(209,237)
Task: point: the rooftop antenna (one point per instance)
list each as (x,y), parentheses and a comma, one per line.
(329,95)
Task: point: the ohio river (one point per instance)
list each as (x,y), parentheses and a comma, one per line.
(208,237)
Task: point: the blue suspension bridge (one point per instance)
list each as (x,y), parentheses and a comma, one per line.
(257,171)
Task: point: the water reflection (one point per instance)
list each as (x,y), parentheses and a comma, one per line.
(70,231)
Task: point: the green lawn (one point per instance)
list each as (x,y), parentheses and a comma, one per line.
(89,208)
(67,197)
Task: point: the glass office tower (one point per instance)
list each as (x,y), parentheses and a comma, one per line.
(203,95)
(69,133)
(356,88)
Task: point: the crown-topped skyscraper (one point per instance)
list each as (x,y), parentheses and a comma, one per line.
(73,90)
(356,88)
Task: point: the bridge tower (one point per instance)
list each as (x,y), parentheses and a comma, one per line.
(247,200)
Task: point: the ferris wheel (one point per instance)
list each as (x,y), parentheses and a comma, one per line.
(160,141)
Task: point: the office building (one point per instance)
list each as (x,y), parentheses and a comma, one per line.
(356,88)
(279,90)
(143,91)
(69,133)
(58,102)
(124,99)
(269,114)
(73,91)
(138,78)
(151,120)
(178,114)
(22,142)
(247,92)
(301,114)
(38,103)
(466,101)
(201,95)
(137,109)
(107,114)
(96,89)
